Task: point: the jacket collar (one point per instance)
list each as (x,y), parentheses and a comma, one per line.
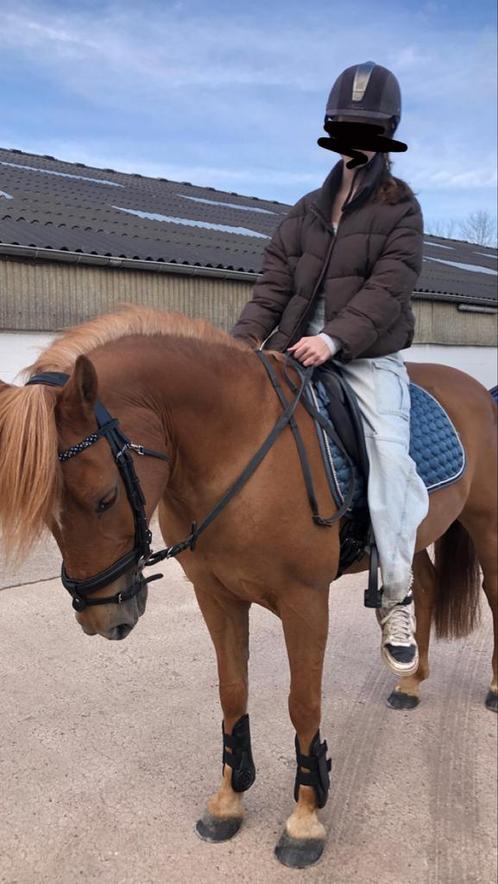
(366,176)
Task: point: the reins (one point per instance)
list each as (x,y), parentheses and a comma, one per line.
(121,446)
(326,521)
(142,556)
(285,418)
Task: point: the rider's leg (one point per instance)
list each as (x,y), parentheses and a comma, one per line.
(397,497)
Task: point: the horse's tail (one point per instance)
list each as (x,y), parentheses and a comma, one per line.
(457,608)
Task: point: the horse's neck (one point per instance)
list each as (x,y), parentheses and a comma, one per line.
(215,413)
(212,403)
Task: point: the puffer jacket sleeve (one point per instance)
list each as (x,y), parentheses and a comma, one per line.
(275,286)
(378,304)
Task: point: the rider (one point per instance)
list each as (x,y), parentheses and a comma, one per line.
(363,231)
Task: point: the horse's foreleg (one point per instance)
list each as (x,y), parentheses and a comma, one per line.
(304,614)
(406,694)
(228,622)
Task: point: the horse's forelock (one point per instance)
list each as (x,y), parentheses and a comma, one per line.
(30,478)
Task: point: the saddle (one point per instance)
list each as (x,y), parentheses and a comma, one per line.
(330,400)
(435,444)
(338,425)
(356,534)
(435,447)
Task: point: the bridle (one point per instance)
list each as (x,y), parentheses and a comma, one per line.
(142,556)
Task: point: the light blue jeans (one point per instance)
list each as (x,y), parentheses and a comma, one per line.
(397,496)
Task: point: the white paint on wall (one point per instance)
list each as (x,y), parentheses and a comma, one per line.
(480,362)
(19,349)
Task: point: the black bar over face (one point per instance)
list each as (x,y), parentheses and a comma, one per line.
(351,137)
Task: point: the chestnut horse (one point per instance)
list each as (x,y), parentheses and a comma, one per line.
(202,405)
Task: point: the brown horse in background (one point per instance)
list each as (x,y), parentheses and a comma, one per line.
(182,387)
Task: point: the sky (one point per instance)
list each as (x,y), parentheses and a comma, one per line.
(232,95)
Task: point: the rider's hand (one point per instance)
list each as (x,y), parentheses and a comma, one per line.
(311,351)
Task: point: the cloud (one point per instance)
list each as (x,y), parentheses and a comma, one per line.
(171,50)
(168,48)
(431,177)
(234,96)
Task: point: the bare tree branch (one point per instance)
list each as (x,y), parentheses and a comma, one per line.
(479,227)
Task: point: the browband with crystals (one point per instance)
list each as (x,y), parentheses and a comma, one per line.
(89,440)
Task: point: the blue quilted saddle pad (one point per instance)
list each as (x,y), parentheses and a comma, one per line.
(435,447)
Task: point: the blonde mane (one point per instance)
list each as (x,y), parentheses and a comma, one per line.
(128,319)
(30,478)
(30,474)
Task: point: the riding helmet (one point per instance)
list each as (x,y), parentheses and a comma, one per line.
(366,90)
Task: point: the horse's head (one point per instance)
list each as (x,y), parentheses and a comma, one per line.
(94,507)
(103,527)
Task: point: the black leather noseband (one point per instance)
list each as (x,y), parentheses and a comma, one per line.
(141,555)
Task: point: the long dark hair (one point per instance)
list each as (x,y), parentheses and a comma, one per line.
(390,189)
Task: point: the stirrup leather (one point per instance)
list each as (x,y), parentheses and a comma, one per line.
(319,767)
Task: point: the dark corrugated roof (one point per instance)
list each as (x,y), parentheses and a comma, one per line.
(46,203)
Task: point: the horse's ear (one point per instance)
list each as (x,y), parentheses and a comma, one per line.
(80,392)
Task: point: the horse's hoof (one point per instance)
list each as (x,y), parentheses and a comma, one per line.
(215,829)
(298,853)
(399,700)
(492,701)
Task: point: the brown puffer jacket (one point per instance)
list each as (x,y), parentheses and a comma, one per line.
(367,270)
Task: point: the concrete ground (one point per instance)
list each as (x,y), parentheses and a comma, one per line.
(110,749)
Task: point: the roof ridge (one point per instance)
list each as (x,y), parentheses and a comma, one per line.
(467,242)
(79,165)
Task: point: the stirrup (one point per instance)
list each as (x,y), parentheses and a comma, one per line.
(373,595)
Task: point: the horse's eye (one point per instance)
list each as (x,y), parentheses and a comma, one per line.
(106,502)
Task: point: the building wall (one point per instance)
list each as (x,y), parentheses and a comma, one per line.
(441,322)
(19,349)
(480,362)
(43,296)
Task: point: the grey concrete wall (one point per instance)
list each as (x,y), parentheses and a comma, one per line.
(440,322)
(44,296)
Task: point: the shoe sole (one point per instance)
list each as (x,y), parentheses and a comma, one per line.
(400,668)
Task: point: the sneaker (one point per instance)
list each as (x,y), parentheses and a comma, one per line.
(399,646)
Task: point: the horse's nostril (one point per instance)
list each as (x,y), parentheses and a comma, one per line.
(122,630)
